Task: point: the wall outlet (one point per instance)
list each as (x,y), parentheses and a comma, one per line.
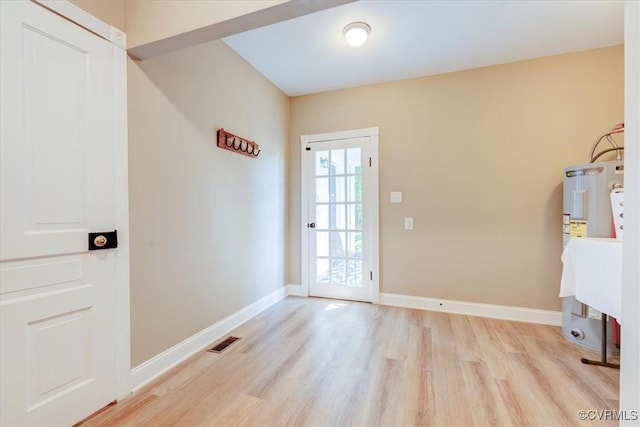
(396,197)
(408,223)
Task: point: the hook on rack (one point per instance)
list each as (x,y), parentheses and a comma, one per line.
(231,142)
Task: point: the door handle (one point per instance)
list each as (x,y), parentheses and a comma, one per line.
(312,225)
(104,240)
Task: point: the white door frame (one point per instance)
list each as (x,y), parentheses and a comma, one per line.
(117,39)
(630,350)
(372,133)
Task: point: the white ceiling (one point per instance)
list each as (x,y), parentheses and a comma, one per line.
(422,37)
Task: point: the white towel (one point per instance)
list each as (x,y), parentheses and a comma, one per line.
(592,271)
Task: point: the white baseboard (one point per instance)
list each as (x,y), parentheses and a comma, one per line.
(296,290)
(520,314)
(156,366)
(505,312)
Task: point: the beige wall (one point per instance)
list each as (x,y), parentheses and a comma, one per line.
(207,225)
(479,157)
(108,11)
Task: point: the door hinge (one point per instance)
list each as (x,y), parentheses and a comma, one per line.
(369,161)
(371,275)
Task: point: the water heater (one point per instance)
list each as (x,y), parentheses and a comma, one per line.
(587,213)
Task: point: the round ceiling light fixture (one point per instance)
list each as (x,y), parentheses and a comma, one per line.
(356,33)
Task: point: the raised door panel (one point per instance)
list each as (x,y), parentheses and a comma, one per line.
(57,145)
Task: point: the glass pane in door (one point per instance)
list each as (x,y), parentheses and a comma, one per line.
(338,207)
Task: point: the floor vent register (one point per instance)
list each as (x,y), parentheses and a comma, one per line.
(219,348)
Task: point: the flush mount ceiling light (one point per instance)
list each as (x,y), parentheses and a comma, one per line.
(356,33)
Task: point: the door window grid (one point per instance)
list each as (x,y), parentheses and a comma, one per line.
(339,217)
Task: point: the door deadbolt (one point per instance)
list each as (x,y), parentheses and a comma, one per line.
(100,241)
(312,225)
(104,240)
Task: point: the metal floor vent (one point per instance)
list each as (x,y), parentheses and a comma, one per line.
(219,348)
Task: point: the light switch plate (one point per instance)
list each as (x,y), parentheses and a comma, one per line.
(396,197)
(408,223)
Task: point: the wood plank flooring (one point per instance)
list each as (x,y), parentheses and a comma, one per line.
(319,362)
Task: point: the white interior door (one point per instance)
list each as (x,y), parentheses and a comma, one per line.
(339,218)
(57,300)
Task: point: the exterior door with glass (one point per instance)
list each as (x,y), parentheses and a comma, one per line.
(338,223)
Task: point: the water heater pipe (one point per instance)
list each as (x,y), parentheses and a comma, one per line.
(617,128)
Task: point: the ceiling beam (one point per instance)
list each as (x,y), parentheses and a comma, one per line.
(260,18)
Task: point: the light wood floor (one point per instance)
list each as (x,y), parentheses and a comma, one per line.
(315,362)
